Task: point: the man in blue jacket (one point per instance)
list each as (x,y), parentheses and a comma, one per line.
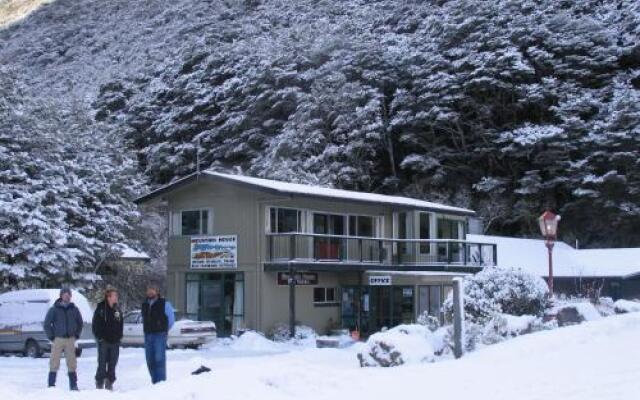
(63,326)
(158,317)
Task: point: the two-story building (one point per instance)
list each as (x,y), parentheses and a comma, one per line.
(358,260)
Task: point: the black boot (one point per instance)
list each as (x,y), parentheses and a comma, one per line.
(73,381)
(108,384)
(52,379)
(99,384)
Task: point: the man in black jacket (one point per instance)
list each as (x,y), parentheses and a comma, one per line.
(107,328)
(158,317)
(63,326)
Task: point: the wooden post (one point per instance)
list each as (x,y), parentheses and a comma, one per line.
(292,301)
(458,317)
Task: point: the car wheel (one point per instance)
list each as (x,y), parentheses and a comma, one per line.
(78,352)
(32,349)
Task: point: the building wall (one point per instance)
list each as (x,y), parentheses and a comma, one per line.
(241,211)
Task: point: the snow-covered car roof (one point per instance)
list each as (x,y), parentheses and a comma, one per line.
(531,255)
(48,296)
(298,189)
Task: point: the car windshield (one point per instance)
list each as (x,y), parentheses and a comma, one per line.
(132,318)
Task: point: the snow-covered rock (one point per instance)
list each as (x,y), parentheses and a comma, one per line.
(252,341)
(575,313)
(626,306)
(403,344)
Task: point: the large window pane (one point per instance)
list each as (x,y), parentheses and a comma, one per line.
(288,220)
(193,297)
(402,233)
(318,295)
(435,302)
(448,228)
(204,222)
(424,232)
(365,226)
(273,220)
(190,222)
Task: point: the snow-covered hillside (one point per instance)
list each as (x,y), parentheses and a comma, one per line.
(593,361)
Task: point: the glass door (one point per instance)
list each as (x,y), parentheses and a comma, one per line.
(211,302)
(328,224)
(450,229)
(216,297)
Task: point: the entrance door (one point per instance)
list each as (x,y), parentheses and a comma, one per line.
(379,307)
(211,302)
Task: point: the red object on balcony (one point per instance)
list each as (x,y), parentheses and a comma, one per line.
(327,250)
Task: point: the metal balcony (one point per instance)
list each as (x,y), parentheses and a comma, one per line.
(337,252)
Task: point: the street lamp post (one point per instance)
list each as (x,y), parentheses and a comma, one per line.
(549,228)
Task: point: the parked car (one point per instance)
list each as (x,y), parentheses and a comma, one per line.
(184,333)
(22,314)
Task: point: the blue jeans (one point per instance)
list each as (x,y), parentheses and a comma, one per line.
(155,349)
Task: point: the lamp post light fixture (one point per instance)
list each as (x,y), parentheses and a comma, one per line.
(549,229)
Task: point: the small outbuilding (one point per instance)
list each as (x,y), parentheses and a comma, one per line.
(588,272)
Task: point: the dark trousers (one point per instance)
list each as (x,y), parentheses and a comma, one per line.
(155,349)
(108,354)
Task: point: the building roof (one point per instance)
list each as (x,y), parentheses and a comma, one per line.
(531,255)
(297,189)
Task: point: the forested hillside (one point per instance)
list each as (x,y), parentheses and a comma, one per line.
(506,107)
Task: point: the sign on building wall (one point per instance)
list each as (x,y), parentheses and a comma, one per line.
(302,278)
(380,280)
(214,252)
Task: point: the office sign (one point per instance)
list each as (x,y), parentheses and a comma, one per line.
(212,252)
(302,278)
(380,280)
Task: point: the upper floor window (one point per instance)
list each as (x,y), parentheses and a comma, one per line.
(194,222)
(449,228)
(362,225)
(285,220)
(424,231)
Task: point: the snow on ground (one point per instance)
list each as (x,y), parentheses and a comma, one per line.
(595,360)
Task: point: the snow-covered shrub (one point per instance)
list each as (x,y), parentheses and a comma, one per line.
(501,290)
(403,344)
(605,306)
(499,328)
(304,334)
(431,322)
(626,306)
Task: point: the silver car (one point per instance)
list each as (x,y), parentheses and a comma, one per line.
(22,314)
(183,334)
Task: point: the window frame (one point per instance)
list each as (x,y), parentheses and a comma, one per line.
(176,221)
(300,219)
(325,290)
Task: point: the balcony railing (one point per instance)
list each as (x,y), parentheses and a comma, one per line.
(320,248)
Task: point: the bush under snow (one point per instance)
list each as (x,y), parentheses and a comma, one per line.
(501,291)
(304,334)
(626,306)
(403,344)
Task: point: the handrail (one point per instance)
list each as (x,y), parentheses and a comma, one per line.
(320,248)
(385,239)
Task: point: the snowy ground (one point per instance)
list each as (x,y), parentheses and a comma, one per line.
(596,360)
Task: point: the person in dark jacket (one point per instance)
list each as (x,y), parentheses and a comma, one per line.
(158,317)
(63,326)
(107,326)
